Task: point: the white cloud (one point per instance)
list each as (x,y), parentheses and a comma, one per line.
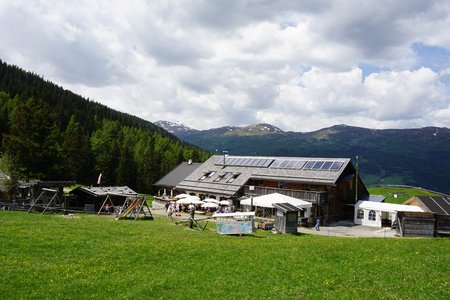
(209,64)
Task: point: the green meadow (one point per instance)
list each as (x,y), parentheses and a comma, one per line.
(399,195)
(90,256)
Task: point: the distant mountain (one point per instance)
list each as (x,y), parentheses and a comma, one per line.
(179,129)
(176,128)
(419,157)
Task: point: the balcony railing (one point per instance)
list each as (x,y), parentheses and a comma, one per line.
(310,196)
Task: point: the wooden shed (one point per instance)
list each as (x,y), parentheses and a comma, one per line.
(286,219)
(416,224)
(443,225)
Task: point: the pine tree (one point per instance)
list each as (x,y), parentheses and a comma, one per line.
(105,149)
(75,151)
(126,170)
(33,145)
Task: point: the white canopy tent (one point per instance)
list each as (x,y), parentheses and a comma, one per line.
(267,201)
(371,213)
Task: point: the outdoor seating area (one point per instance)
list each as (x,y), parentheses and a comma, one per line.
(182,202)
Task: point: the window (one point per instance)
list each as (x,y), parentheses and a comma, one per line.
(372,216)
(222,176)
(360,214)
(226,175)
(207,174)
(233,178)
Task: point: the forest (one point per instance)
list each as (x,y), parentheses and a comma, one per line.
(49,133)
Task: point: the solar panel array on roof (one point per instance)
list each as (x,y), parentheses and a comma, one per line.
(438,205)
(307,165)
(244,162)
(316,165)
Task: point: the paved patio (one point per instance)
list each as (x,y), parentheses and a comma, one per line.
(351,230)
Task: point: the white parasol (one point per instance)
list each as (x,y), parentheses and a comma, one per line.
(189,200)
(210,205)
(211,200)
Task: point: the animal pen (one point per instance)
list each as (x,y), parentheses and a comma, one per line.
(50,196)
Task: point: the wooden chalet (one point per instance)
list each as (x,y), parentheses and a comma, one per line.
(328,183)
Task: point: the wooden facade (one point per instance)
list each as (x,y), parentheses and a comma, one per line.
(423,224)
(331,203)
(331,190)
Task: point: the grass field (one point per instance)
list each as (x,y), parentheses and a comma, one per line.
(402,194)
(89,256)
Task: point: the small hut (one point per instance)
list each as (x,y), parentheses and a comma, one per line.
(416,224)
(286,219)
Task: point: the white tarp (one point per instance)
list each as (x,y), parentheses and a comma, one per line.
(372,213)
(270,199)
(388,207)
(234,214)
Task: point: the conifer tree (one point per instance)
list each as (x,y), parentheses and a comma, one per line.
(75,151)
(33,145)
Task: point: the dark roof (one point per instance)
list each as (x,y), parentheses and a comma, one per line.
(99,191)
(285,207)
(436,204)
(243,168)
(376,198)
(174,177)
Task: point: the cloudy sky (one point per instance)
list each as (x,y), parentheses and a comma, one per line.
(299,65)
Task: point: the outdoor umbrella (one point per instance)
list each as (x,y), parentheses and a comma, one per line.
(224,202)
(211,200)
(182,196)
(210,205)
(183,201)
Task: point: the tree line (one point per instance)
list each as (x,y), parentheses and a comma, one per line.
(49,133)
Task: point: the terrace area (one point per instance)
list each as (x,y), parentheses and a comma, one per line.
(310,196)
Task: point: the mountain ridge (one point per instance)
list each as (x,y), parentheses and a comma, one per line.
(254,129)
(412,156)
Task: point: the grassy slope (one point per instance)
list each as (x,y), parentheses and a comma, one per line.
(95,257)
(403,194)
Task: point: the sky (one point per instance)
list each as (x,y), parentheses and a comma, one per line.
(298,65)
